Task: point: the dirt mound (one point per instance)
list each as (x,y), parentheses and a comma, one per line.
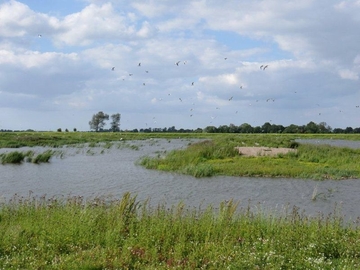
(263,151)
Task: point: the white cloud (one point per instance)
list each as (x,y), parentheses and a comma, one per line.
(348,74)
(220,46)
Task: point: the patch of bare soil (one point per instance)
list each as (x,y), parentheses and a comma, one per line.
(263,151)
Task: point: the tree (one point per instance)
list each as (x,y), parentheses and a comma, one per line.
(115,122)
(98,121)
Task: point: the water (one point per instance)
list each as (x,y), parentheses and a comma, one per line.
(93,172)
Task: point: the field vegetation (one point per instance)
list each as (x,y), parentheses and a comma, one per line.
(17,157)
(214,155)
(218,156)
(58,139)
(100,233)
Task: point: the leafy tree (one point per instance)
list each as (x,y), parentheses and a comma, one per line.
(59,130)
(98,121)
(311,127)
(246,128)
(324,127)
(115,122)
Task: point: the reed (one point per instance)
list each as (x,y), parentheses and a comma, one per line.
(104,233)
(15,157)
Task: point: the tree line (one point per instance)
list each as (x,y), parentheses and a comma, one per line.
(267,127)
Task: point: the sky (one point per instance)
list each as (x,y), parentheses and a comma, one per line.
(188,64)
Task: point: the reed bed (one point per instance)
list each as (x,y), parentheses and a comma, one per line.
(17,157)
(102,233)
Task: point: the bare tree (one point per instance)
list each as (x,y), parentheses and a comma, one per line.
(98,121)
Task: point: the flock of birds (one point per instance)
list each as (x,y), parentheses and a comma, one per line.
(193,107)
(263,67)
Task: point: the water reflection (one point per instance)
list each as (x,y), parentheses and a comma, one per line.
(91,172)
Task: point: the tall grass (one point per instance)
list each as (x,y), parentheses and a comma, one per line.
(17,157)
(74,233)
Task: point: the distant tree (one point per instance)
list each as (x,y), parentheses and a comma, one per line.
(246,128)
(66,130)
(210,129)
(349,130)
(98,121)
(338,130)
(324,128)
(59,130)
(75,129)
(311,127)
(115,122)
(266,127)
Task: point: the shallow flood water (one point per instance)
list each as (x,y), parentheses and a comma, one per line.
(97,171)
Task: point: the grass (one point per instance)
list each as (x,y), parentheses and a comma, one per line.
(218,157)
(17,157)
(57,139)
(74,233)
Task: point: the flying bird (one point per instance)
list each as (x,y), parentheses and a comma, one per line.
(113,68)
(261,66)
(192,83)
(139,64)
(180,99)
(230,98)
(39,36)
(177,63)
(265,67)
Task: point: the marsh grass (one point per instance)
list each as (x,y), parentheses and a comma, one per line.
(103,233)
(17,157)
(218,157)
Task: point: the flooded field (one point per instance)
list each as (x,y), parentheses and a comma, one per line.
(100,171)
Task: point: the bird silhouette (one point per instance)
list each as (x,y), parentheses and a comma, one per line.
(113,68)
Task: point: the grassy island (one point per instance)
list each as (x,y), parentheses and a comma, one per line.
(219,156)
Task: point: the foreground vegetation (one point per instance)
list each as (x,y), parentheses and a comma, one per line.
(74,233)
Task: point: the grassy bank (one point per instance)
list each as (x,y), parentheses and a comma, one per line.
(218,157)
(57,139)
(71,233)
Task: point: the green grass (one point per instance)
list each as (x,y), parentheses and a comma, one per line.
(218,157)
(17,157)
(57,139)
(74,233)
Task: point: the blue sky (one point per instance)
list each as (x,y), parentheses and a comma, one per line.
(59,80)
